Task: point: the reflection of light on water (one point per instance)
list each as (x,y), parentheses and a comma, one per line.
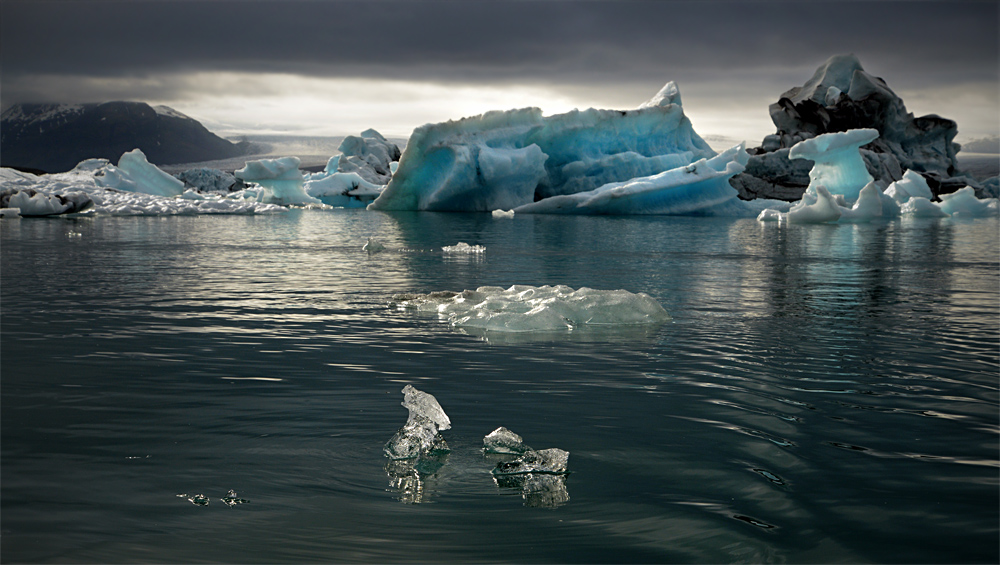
(538,490)
(411,479)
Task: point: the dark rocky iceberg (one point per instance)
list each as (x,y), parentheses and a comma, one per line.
(841,96)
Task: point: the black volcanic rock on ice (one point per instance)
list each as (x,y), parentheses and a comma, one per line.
(841,96)
(55,137)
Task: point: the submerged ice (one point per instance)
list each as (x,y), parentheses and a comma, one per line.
(531,309)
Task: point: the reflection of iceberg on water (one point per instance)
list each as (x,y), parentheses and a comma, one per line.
(540,475)
(418,450)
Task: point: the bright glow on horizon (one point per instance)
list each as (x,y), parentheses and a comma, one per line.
(231,104)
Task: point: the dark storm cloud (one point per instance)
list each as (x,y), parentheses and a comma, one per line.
(528,41)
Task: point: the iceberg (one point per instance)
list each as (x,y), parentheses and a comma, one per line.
(838,165)
(523,308)
(506,159)
(369,155)
(146,177)
(346,190)
(280,178)
(420,435)
(355,177)
(911,185)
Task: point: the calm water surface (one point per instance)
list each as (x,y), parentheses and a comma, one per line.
(823,393)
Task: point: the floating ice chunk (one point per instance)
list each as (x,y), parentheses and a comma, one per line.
(920,207)
(817,206)
(963,203)
(528,309)
(503,213)
(912,184)
(504,441)
(373,246)
(197,499)
(464,248)
(545,461)
(281,179)
(867,207)
(838,165)
(10,213)
(232,499)
(420,434)
(147,177)
(420,403)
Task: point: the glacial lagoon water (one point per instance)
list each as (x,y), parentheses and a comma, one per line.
(822,393)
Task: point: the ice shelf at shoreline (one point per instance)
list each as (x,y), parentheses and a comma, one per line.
(114,191)
(536,309)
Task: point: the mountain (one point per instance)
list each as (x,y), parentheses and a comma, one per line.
(55,137)
(989,145)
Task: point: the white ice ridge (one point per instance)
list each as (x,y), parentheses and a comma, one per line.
(114,191)
(531,309)
(505,159)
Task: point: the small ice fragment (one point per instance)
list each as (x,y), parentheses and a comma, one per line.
(498,213)
(462,247)
(232,499)
(552,461)
(502,440)
(197,500)
(373,246)
(420,434)
(420,403)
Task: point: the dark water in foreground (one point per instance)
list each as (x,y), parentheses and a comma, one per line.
(823,394)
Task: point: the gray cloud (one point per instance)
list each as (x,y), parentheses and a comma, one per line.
(526,41)
(604,53)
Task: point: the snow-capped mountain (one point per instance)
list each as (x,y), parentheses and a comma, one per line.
(55,137)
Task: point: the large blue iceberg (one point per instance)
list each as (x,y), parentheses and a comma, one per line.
(575,162)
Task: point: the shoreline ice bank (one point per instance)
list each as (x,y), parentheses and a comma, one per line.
(97,187)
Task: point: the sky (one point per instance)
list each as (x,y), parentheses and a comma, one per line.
(340,67)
